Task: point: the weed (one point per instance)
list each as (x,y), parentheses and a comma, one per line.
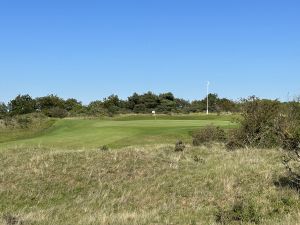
(179,146)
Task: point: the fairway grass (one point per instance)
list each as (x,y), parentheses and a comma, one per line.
(117,132)
(145,185)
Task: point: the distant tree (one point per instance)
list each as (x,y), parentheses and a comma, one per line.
(72,104)
(49,102)
(227,105)
(52,106)
(198,106)
(182,105)
(3,110)
(150,100)
(96,108)
(112,104)
(133,101)
(22,104)
(213,100)
(140,108)
(168,96)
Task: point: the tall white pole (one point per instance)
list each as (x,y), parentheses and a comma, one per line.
(207,110)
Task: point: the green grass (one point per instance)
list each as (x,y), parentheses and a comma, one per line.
(55,174)
(117,132)
(145,185)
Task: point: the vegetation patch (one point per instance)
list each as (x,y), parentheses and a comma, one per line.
(208,134)
(145,185)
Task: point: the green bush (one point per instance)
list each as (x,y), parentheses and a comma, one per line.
(209,134)
(263,125)
(57,112)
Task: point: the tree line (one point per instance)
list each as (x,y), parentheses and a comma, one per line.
(55,106)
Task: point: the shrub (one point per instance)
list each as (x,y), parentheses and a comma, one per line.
(209,134)
(234,140)
(57,112)
(179,146)
(263,125)
(3,110)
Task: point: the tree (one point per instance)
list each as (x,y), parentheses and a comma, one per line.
(112,104)
(213,101)
(50,101)
(22,104)
(133,101)
(226,105)
(96,108)
(198,106)
(3,110)
(182,105)
(150,100)
(72,104)
(167,96)
(52,106)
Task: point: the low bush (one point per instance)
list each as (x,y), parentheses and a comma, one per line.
(104,148)
(179,146)
(209,134)
(234,141)
(57,112)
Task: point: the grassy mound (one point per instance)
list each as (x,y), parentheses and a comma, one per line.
(146,185)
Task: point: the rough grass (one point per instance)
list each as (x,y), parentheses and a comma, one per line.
(145,185)
(117,132)
(39,127)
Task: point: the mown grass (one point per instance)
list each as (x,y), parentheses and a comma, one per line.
(145,185)
(117,132)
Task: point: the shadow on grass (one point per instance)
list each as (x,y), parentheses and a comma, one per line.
(287,182)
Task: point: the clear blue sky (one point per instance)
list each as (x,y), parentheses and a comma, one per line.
(91,49)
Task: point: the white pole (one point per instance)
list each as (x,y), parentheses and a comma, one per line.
(207,111)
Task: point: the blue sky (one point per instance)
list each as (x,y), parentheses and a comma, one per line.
(90,49)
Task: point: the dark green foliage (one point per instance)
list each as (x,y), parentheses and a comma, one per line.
(241,212)
(54,106)
(96,108)
(72,105)
(112,104)
(262,125)
(3,110)
(290,136)
(56,112)
(216,104)
(22,104)
(50,101)
(165,103)
(179,146)
(209,134)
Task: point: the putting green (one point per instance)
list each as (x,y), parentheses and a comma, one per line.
(85,133)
